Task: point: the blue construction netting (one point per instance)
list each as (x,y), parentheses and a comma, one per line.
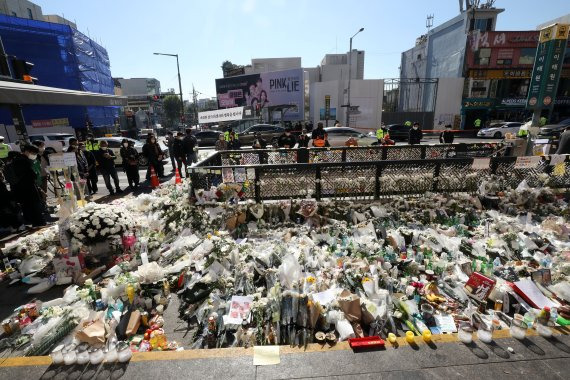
(63,57)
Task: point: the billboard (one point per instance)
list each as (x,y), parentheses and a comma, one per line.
(264,90)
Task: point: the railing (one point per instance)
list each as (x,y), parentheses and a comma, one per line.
(376,179)
(353,154)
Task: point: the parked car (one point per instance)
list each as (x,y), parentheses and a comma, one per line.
(337,136)
(554,130)
(398,132)
(269,132)
(54,142)
(207,138)
(499,130)
(115,145)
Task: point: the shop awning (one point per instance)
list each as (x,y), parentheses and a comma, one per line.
(24,93)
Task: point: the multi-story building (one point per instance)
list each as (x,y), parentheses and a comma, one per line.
(498,70)
(433,69)
(67,59)
(465,70)
(144,100)
(22,9)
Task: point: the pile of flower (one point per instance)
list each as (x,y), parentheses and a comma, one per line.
(96,223)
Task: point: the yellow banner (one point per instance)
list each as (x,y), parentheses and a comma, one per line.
(62,122)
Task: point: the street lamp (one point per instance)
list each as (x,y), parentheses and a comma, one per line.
(349,76)
(179,80)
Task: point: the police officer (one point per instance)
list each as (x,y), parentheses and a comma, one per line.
(4,149)
(542,121)
(381,132)
(91,145)
(477,123)
(408,123)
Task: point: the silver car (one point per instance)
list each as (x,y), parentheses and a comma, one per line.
(499,130)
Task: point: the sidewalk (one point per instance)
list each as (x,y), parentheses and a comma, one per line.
(444,358)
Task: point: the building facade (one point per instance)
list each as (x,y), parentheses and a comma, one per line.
(144,100)
(22,9)
(498,71)
(67,59)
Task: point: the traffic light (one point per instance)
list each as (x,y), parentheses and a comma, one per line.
(22,70)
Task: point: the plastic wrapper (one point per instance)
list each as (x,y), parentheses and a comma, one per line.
(289,271)
(149,273)
(345,330)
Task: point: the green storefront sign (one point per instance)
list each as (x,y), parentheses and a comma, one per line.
(547,66)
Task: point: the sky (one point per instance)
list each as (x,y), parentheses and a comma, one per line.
(205,33)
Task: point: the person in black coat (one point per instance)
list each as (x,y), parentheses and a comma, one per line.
(154,155)
(233,143)
(190,145)
(92,176)
(130,158)
(416,134)
(106,159)
(287,140)
(446,137)
(180,151)
(25,189)
(259,142)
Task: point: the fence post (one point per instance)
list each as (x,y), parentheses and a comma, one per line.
(377,182)
(494,165)
(318,182)
(436,176)
(257,185)
(384,152)
(343,155)
(422,152)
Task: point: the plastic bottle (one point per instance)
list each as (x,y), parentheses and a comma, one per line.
(553,315)
(543,316)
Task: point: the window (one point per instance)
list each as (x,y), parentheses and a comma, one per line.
(527,56)
(482,56)
(114,143)
(479,88)
(504,61)
(483,24)
(36,138)
(30,14)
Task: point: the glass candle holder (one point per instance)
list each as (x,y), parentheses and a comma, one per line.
(96,356)
(57,355)
(82,353)
(410,337)
(543,331)
(426,334)
(465,333)
(111,355)
(124,352)
(518,329)
(485,333)
(69,355)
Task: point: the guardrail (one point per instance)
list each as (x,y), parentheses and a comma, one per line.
(353,154)
(376,179)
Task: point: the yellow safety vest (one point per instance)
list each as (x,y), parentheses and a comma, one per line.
(408,123)
(4,149)
(91,146)
(522,133)
(379,133)
(542,121)
(477,123)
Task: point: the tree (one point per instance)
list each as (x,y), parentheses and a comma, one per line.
(227,66)
(172,107)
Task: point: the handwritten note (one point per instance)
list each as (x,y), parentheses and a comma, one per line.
(266,355)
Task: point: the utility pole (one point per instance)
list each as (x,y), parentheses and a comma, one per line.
(349,78)
(195,100)
(179,81)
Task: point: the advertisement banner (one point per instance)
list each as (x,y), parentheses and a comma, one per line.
(278,88)
(217,116)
